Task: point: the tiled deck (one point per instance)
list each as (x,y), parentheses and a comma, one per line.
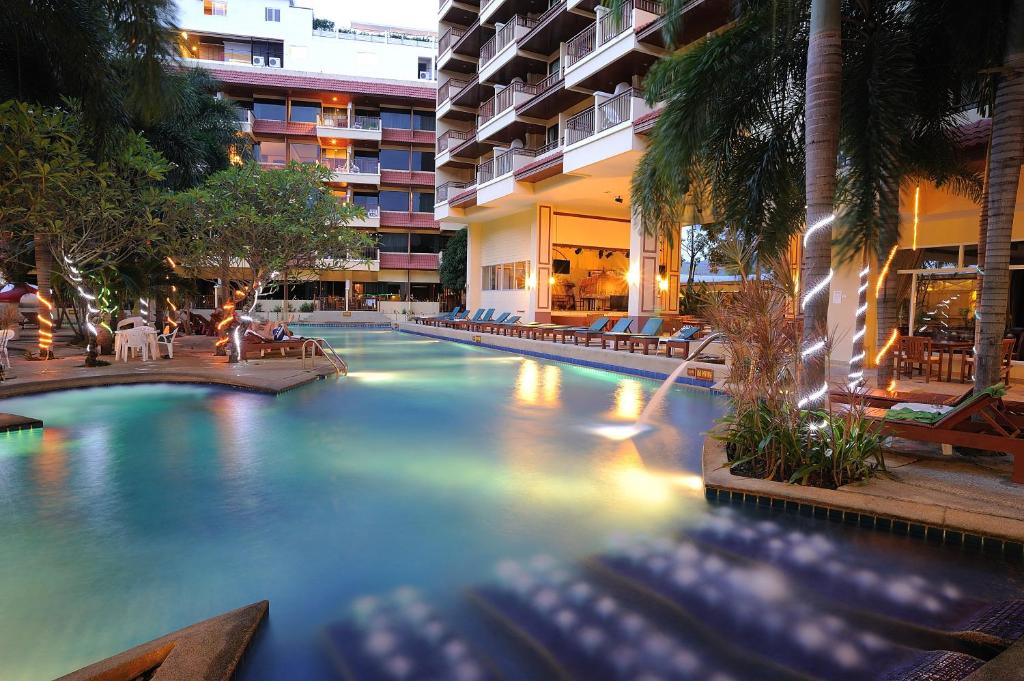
(194,362)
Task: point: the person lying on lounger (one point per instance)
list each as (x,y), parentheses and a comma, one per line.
(283,333)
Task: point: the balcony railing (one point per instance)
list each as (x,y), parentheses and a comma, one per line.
(544,85)
(609,25)
(450,37)
(452,139)
(372,212)
(371,123)
(499,102)
(451,87)
(605,115)
(504,37)
(355,166)
(448,190)
(505,162)
(485,172)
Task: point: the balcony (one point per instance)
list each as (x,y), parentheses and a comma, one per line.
(605,130)
(409,261)
(450,60)
(354,170)
(548,98)
(608,51)
(496,177)
(498,54)
(497,120)
(554,25)
(371,219)
(447,108)
(457,148)
(499,11)
(461,12)
(245,123)
(330,127)
(443,194)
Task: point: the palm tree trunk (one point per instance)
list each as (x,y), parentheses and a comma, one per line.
(888,300)
(1005,156)
(44,267)
(824,75)
(284,302)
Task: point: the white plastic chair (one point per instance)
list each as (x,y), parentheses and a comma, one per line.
(130,322)
(135,340)
(5,336)
(167,340)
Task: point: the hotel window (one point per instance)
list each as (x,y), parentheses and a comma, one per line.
(554,66)
(304,112)
(425,68)
(270,152)
(216,8)
(269,109)
(365,200)
(552,133)
(423,202)
(423,160)
(394,200)
(394,159)
(272,14)
(509,276)
(425,243)
(304,153)
(393,243)
(396,118)
(424,120)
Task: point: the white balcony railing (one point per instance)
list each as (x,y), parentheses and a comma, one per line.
(609,26)
(369,123)
(448,190)
(505,36)
(604,115)
(452,139)
(352,166)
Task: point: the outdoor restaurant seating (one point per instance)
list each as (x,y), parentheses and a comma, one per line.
(917,351)
(167,341)
(995,429)
(5,336)
(967,365)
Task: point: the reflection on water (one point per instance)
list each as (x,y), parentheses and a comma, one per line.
(426,467)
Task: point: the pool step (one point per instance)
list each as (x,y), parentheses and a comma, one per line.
(13,422)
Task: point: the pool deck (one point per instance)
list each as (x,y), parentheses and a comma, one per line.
(951,499)
(193,363)
(635,363)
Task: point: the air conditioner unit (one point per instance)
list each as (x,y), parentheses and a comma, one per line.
(257,61)
(274,62)
(425,75)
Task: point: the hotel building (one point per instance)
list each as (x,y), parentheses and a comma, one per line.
(541,120)
(358,99)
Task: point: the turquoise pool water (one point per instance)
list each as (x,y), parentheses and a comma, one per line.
(139,510)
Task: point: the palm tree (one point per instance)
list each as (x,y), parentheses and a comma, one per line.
(1006,154)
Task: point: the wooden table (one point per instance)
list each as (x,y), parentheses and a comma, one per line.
(949,347)
(676,343)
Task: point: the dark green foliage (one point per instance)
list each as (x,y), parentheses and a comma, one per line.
(452,272)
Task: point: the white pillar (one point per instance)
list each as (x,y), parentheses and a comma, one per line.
(474,278)
(348,292)
(539,276)
(642,274)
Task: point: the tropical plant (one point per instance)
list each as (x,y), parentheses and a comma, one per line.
(322,24)
(452,272)
(252,224)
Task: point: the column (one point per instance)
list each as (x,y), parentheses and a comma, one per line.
(348,293)
(643,273)
(474,279)
(539,277)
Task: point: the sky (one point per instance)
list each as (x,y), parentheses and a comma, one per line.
(421,14)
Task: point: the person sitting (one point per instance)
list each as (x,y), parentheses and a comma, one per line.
(283,333)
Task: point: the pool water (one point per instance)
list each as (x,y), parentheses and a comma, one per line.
(142,509)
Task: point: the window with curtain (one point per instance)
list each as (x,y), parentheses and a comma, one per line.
(396,118)
(269,109)
(305,112)
(424,120)
(394,159)
(270,152)
(423,160)
(423,202)
(394,243)
(303,153)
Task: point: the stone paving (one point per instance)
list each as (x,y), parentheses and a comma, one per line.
(194,362)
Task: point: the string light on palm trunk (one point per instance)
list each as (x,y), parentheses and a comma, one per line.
(816,346)
(144,309)
(75,275)
(45,325)
(856,375)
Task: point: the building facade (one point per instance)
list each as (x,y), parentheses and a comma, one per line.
(357,99)
(541,121)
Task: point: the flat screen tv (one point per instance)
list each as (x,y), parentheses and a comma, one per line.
(561,266)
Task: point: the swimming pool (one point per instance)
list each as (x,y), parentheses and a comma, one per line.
(141,509)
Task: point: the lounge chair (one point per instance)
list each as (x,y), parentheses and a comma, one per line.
(541,331)
(488,325)
(648,336)
(994,430)
(479,316)
(617,334)
(680,339)
(593,331)
(427,319)
(501,327)
(457,318)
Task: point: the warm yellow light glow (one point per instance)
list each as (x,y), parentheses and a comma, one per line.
(917,206)
(662,284)
(170,262)
(888,345)
(885,271)
(628,399)
(184,34)
(528,382)
(531,280)
(892,386)
(551,281)
(633,275)
(552,383)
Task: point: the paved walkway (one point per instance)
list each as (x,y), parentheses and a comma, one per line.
(194,362)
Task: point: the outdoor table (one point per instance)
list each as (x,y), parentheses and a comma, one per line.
(121,336)
(949,347)
(675,343)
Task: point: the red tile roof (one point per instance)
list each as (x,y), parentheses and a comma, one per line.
(645,123)
(410,136)
(284,128)
(419,178)
(463,199)
(401,218)
(408,261)
(268,78)
(541,170)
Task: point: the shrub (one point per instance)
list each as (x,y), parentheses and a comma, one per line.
(767,435)
(306,307)
(322,24)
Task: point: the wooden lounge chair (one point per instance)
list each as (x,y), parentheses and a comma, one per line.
(489,325)
(595,329)
(435,318)
(647,337)
(542,331)
(501,328)
(256,344)
(994,430)
(481,315)
(591,333)
(680,339)
(617,334)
